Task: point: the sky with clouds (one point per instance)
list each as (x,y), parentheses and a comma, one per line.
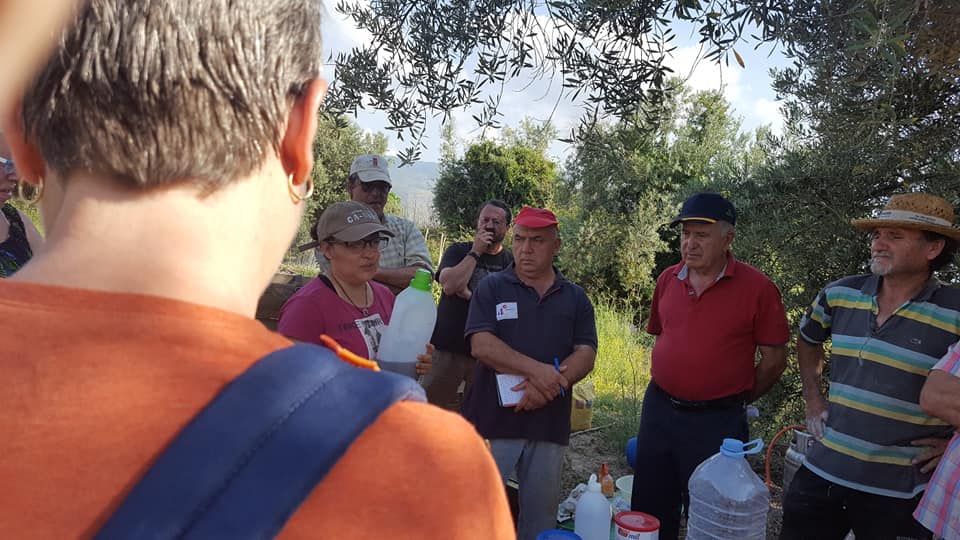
(747,89)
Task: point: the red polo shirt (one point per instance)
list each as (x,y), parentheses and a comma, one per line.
(706,345)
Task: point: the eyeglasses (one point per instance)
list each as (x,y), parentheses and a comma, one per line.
(369,187)
(8,166)
(365,244)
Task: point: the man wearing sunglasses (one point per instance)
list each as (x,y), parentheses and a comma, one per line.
(404,252)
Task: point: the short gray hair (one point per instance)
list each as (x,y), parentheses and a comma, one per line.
(152,92)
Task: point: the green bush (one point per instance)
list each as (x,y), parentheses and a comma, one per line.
(620,376)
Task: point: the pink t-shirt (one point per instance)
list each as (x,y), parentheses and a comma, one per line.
(317,309)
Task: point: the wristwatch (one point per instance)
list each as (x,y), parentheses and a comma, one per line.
(474,255)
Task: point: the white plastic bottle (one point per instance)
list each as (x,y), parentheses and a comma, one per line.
(728,501)
(411,325)
(592,517)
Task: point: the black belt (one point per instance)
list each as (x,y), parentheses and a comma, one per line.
(736,400)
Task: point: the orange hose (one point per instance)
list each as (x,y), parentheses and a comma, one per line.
(773,441)
(348,356)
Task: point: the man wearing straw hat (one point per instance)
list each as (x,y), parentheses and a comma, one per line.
(877,447)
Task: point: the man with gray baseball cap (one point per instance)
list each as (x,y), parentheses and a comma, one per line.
(403,253)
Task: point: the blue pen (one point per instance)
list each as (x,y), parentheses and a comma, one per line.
(556,364)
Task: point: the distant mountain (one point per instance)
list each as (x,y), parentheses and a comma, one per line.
(414,185)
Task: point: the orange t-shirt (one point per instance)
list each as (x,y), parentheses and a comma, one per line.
(96,384)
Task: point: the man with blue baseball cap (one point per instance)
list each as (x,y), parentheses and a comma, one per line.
(711,314)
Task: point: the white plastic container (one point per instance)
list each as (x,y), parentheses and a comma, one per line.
(593,513)
(411,325)
(728,501)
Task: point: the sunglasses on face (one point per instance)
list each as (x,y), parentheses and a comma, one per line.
(365,244)
(370,187)
(8,166)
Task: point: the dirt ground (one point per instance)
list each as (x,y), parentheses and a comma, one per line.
(586,452)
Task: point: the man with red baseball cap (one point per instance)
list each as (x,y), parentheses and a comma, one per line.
(529,320)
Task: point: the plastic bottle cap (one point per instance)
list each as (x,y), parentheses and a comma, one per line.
(738,448)
(592,484)
(421,280)
(731,447)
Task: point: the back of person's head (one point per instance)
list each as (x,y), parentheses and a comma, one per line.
(154,92)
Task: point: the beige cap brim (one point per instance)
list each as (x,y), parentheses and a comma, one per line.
(870,224)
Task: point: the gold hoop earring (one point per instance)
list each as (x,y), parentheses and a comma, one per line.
(37,192)
(296,197)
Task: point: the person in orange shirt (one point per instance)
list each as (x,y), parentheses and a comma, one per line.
(171,142)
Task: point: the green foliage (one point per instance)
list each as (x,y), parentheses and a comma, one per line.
(610,255)
(393,206)
(31,211)
(860,128)
(531,134)
(515,174)
(624,184)
(871,102)
(435,57)
(620,375)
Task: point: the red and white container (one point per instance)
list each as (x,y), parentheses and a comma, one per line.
(636,526)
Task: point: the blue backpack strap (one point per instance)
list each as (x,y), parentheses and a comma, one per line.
(247,461)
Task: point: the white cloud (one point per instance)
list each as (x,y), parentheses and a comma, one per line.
(767,112)
(702,74)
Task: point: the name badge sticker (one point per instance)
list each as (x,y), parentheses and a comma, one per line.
(506,310)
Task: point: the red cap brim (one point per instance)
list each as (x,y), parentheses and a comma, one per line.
(536,222)
(536,218)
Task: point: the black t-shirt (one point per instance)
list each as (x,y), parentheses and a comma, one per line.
(452,311)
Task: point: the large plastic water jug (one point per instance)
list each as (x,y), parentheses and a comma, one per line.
(728,501)
(592,516)
(411,325)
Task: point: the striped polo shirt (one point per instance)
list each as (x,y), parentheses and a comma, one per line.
(876,374)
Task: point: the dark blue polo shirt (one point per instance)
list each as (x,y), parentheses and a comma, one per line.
(541,328)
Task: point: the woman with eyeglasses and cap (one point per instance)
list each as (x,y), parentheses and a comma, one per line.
(19,238)
(345,302)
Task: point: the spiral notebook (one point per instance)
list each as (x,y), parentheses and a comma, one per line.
(505,383)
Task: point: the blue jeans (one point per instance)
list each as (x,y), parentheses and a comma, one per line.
(815,508)
(537,466)
(670,444)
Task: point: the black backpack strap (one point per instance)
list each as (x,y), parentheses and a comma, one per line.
(245,463)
